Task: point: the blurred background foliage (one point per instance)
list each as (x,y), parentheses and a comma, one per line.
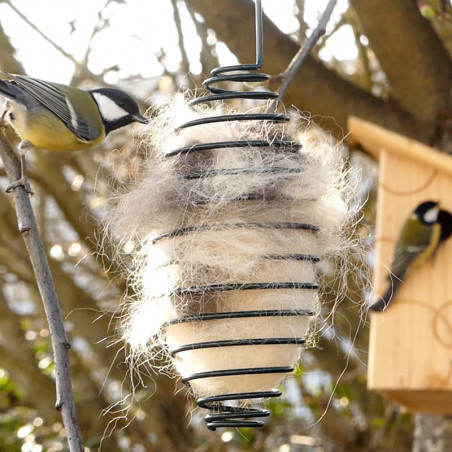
(387,62)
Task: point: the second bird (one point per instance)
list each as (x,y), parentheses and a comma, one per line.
(423,232)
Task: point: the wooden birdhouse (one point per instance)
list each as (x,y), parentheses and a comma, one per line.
(410,355)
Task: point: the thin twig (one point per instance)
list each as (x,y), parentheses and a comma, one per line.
(293,67)
(37,30)
(60,344)
(207,57)
(362,51)
(178,21)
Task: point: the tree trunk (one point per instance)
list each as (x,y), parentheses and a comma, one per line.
(432,433)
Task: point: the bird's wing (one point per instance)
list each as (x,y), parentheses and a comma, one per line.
(403,258)
(416,243)
(49,95)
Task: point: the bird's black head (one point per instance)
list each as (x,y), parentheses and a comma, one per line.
(117,108)
(445,220)
(427,212)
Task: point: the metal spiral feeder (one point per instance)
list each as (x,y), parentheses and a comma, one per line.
(224,415)
(231,217)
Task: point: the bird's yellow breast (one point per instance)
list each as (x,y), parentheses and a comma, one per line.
(431,248)
(46,131)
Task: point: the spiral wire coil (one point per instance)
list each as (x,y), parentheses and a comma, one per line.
(223,414)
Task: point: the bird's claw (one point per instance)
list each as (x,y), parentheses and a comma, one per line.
(23,181)
(24,146)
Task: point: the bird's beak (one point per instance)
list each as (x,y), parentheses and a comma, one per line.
(141,119)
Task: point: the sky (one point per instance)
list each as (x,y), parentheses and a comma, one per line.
(137,31)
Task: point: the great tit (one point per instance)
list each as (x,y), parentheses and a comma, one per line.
(63,118)
(422,233)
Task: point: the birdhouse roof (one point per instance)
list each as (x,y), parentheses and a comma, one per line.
(373,138)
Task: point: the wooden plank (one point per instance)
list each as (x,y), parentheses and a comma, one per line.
(419,401)
(373,138)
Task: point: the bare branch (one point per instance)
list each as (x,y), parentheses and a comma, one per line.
(37,30)
(185,69)
(207,57)
(410,53)
(8,61)
(315,88)
(287,76)
(60,344)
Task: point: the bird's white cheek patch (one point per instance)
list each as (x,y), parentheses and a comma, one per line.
(109,109)
(431,216)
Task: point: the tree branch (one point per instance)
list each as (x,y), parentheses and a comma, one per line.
(40,33)
(71,205)
(287,76)
(411,54)
(60,343)
(314,88)
(184,65)
(38,387)
(8,61)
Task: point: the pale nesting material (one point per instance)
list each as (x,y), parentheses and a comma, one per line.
(225,231)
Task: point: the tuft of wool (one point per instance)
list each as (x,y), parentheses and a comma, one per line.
(224,218)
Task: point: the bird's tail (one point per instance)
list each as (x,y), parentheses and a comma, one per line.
(395,281)
(9,90)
